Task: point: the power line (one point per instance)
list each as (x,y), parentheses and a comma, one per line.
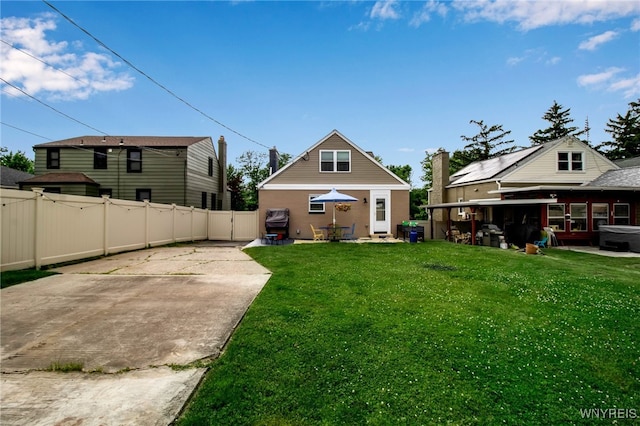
(50,107)
(25,131)
(46,63)
(72,22)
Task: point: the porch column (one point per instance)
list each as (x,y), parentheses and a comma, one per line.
(449,224)
(431,222)
(473,226)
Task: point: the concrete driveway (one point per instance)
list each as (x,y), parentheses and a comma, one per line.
(126,320)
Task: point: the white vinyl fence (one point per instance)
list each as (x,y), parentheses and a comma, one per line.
(41,229)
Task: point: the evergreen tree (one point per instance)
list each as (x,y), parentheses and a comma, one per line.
(625,132)
(483,145)
(560,120)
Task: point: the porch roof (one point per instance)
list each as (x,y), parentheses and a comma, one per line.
(491,202)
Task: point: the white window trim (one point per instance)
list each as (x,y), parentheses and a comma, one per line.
(555,227)
(595,218)
(310,202)
(569,155)
(584,218)
(335,161)
(613,212)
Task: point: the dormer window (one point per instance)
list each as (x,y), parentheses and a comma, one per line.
(570,161)
(335,161)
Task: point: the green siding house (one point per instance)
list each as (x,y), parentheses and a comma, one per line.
(181,170)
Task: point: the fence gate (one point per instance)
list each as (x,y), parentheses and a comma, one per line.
(233,226)
(220,225)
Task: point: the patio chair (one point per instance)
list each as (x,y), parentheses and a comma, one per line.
(542,243)
(317,235)
(349,234)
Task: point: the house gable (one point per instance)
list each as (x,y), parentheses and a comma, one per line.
(546,167)
(305,170)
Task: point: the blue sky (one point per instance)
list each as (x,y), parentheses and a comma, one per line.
(396,78)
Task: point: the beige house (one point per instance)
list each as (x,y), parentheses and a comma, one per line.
(336,162)
(564,185)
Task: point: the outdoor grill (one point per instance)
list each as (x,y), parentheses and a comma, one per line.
(277,222)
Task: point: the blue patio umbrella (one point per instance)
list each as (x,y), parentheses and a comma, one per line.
(335,197)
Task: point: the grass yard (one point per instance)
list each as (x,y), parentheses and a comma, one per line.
(430,333)
(9,278)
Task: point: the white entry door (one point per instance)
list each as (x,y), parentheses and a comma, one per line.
(380,211)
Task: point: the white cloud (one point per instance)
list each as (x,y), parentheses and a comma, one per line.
(515,60)
(599,78)
(629,86)
(533,55)
(77,75)
(384,10)
(529,15)
(553,61)
(635,25)
(611,80)
(594,42)
(424,14)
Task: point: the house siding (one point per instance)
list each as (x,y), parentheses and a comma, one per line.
(177,175)
(471,192)
(544,169)
(300,219)
(198,179)
(307,171)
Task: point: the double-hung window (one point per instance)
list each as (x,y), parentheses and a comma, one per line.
(134,160)
(335,161)
(570,161)
(53,158)
(579,217)
(100,158)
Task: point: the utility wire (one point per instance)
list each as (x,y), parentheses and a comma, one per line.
(72,22)
(25,131)
(46,63)
(50,107)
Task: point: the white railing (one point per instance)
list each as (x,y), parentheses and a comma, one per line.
(40,228)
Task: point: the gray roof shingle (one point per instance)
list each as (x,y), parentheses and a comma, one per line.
(625,178)
(10,177)
(114,141)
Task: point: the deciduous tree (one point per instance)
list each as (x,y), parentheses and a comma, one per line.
(17,161)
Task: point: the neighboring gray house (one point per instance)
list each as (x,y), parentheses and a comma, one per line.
(163,169)
(10,177)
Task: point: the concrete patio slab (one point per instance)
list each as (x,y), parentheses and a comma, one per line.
(149,309)
(152,397)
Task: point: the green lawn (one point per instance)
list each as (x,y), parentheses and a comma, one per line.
(430,333)
(9,278)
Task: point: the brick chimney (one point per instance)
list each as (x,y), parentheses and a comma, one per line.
(274,160)
(440,176)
